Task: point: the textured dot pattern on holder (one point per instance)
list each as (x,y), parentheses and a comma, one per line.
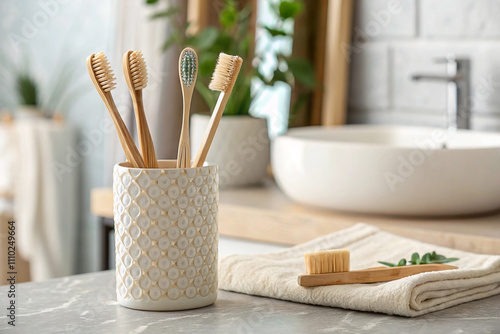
(166,232)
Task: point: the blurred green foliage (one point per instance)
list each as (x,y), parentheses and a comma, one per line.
(54,91)
(27,90)
(233,36)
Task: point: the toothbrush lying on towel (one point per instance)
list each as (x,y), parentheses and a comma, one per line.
(225,75)
(102,76)
(331,267)
(136,75)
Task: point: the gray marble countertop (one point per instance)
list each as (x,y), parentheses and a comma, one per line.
(87,304)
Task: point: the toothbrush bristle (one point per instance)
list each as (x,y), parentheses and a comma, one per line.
(188,68)
(327,261)
(138,70)
(103,72)
(225,73)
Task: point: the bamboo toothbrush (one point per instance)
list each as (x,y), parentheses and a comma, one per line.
(136,75)
(102,76)
(331,267)
(223,79)
(188,71)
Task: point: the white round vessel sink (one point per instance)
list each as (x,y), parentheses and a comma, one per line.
(391,170)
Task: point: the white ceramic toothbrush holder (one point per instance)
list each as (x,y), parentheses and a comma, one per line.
(166,236)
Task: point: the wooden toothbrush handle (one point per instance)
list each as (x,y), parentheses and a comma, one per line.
(201,155)
(184,150)
(145,141)
(131,152)
(370,275)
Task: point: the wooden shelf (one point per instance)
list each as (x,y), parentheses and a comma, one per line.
(264,213)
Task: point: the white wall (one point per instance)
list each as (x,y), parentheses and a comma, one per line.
(396,38)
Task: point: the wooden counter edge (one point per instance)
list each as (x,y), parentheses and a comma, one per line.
(287,228)
(295,228)
(101,202)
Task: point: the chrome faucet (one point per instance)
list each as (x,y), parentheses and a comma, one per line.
(458,82)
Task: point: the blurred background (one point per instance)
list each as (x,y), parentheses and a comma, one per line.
(324,62)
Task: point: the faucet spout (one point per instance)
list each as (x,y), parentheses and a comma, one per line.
(458,88)
(434,77)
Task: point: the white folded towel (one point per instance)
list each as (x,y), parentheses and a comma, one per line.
(275,275)
(45,201)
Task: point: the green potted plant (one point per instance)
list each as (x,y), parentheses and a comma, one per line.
(241,146)
(27,91)
(27,94)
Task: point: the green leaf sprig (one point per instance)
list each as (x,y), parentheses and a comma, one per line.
(427,258)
